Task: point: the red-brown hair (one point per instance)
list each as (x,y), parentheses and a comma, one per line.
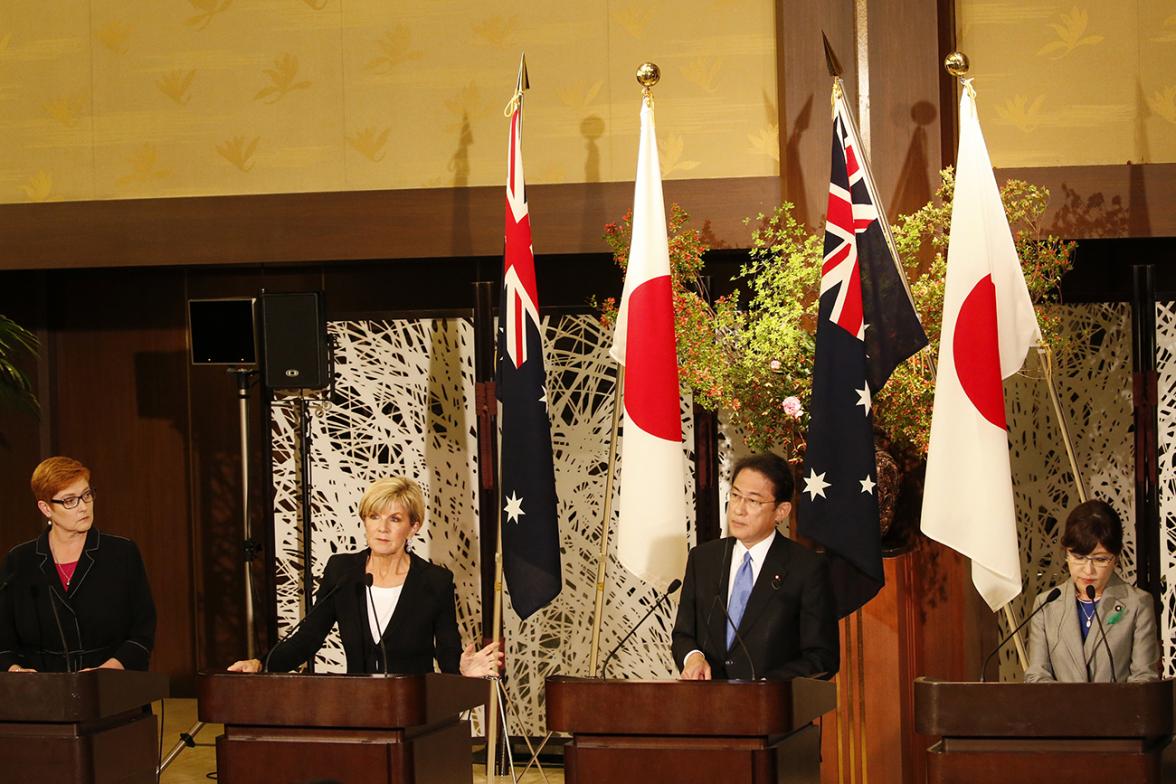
(54,474)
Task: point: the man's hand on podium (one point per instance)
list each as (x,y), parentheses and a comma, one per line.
(696,667)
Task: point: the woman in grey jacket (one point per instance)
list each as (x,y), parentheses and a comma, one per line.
(1067,642)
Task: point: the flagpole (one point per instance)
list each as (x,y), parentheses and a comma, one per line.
(956,64)
(496,625)
(602,559)
(492,710)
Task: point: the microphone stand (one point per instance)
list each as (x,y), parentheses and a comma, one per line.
(1102,630)
(674,586)
(368,579)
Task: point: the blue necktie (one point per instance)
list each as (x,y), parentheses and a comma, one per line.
(739,593)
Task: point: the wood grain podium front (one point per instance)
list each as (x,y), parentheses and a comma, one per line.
(678,732)
(79,728)
(352,729)
(1035,732)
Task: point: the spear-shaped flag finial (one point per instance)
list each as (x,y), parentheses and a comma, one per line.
(831,58)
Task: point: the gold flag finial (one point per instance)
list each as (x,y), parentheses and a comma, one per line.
(522,84)
(648,74)
(957,64)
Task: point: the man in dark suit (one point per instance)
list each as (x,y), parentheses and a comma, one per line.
(775,591)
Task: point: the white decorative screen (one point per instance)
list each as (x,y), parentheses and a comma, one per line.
(1166,416)
(406,406)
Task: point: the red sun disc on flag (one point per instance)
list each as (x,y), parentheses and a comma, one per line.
(977,353)
(651,361)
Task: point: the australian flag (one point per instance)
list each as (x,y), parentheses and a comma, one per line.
(866,326)
(530,528)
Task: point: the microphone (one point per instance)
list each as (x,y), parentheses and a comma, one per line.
(1102,630)
(674,586)
(297,626)
(738,638)
(44,582)
(1052,596)
(368,579)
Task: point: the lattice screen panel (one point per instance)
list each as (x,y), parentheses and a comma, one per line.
(404,405)
(1166,420)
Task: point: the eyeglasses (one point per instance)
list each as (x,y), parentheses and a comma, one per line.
(752,504)
(1099,561)
(72,501)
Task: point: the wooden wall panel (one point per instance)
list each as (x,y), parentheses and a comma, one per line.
(302,227)
(120,406)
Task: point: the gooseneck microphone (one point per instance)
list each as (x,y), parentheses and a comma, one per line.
(44,583)
(674,586)
(368,580)
(297,626)
(1103,633)
(1050,597)
(738,638)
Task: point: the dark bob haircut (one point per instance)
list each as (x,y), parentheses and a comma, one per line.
(1090,524)
(774,467)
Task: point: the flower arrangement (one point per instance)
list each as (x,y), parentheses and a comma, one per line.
(755,360)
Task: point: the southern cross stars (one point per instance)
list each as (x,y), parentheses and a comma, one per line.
(864,397)
(514,508)
(815,484)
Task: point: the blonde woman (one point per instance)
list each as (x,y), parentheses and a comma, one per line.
(409,606)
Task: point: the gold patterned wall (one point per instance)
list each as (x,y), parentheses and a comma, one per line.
(113,99)
(1066,83)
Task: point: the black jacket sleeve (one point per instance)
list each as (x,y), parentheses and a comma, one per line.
(317,624)
(446,638)
(8,636)
(135,652)
(684,638)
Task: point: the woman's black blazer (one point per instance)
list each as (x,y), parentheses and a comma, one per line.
(106,613)
(423,627)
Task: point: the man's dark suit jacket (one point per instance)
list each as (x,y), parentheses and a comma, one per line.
(106,613)
(423,626)
(789,625)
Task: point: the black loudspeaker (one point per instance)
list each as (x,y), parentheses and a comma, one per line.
(294,330)
(221,332)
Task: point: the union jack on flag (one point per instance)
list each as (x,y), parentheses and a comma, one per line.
(530,527)
(866,326)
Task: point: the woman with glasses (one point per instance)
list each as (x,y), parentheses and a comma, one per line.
(1100,629)
(75,598)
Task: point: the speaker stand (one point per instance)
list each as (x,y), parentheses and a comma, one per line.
(249,545)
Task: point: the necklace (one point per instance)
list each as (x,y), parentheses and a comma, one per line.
(1082,603)
(65,576)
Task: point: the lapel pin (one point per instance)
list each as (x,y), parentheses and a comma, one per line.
(1117,616)
(776,582)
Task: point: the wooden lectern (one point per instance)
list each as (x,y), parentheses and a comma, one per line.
(79,727)
(678,732)
(1036,732)
(354,729)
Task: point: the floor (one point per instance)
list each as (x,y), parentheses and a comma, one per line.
(198,765)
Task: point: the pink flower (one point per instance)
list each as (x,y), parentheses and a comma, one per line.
(792,407)
(774,365)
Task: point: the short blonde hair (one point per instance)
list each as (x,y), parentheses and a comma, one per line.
(394,489)
(54,474)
